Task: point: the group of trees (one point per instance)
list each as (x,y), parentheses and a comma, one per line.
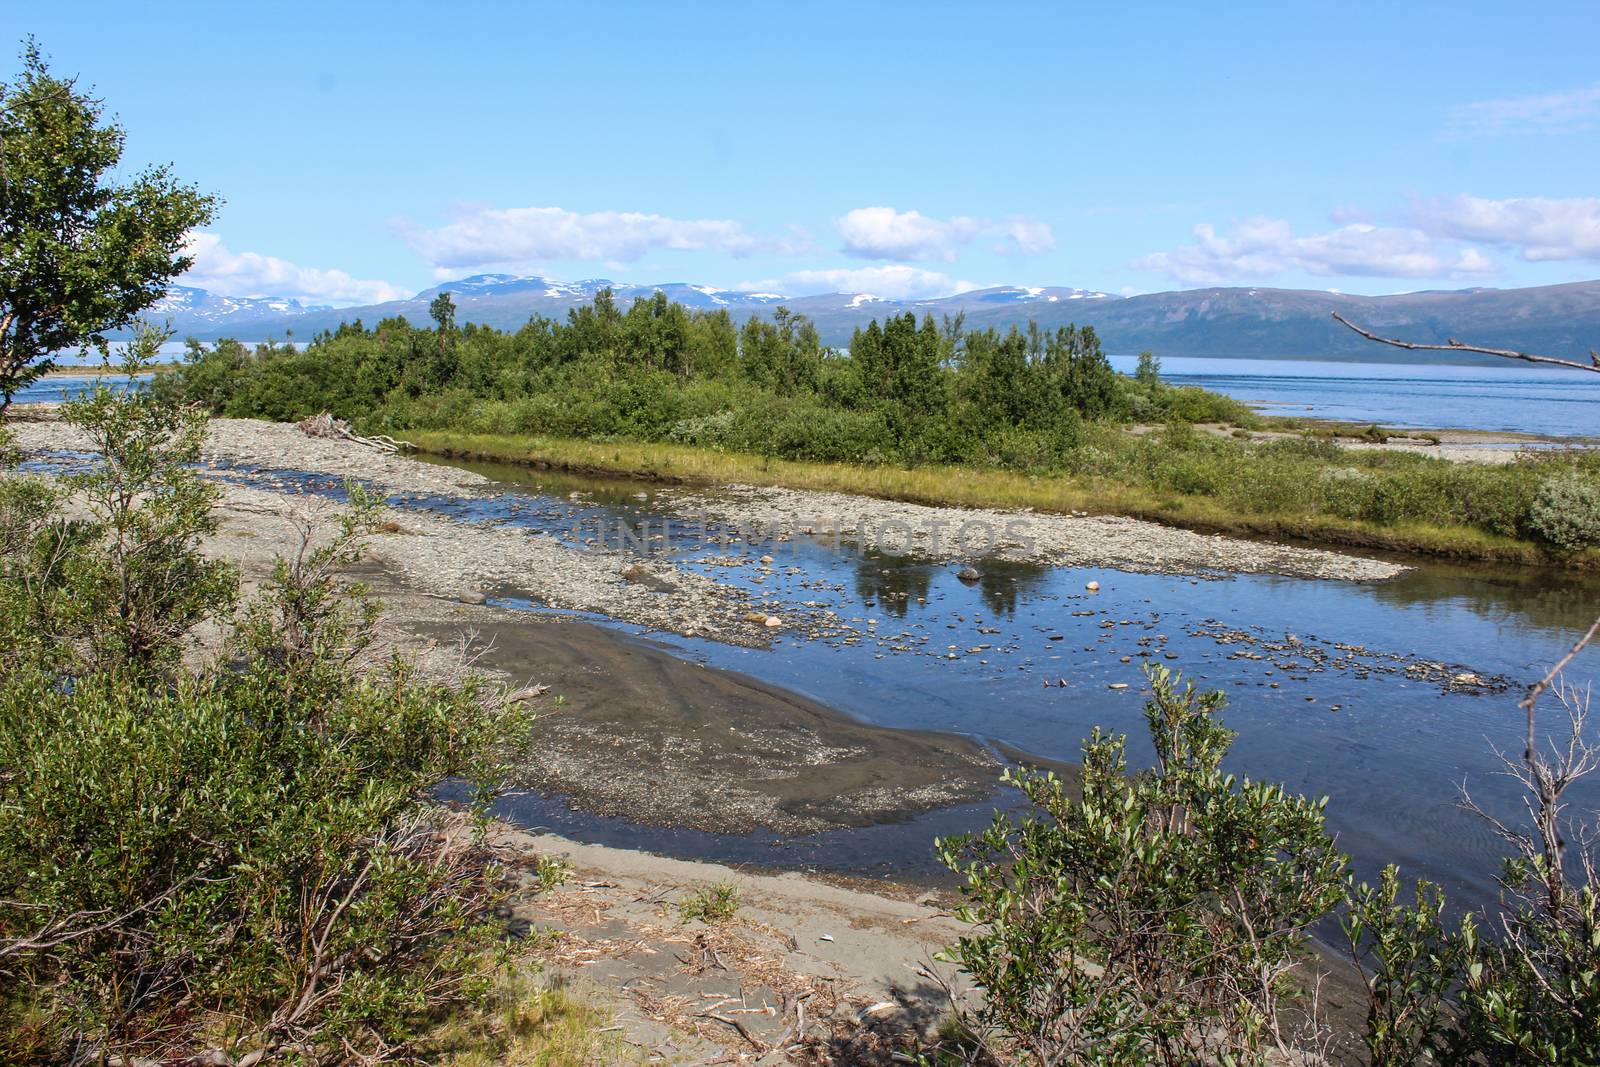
(903,391)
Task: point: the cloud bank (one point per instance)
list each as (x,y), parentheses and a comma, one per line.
(906,236)
(1261,248)
(1538,228)
(221,270)
(483,236)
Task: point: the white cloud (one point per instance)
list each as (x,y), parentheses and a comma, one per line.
(884,233)
(1540,228)
(1563,112)
(890,282)
(1264,247)
(222,270)
(1028,236)
(485,236)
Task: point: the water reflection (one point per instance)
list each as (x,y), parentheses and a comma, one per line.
(1027,656)
(892,583)
(1531,598)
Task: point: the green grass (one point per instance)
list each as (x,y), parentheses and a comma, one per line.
(1236,488)
(715,903)
(528,1021)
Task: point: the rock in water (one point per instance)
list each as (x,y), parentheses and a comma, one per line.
(1093,587)
(968,574)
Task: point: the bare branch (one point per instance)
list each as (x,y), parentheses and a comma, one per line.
(1453,345)
(1527,702)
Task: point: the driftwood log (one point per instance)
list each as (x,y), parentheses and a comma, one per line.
(325,425)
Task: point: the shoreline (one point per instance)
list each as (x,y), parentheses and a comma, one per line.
(662,739)
(958,490)
(647,733)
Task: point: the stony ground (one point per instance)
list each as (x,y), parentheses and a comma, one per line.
(1022,536)
(914,529)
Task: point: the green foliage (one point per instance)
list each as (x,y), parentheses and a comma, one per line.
(80,254)
(1518,983)
(1413,964)
(443,313)
(1044,403)
(1566,511)
(1148,371)
(1152,918)
(228,848)
(907,392)
(714,903)
(552,872)
(129,602)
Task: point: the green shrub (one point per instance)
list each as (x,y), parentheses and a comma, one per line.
(1566,511)
(235,847)
(1154,918)
(1515,983)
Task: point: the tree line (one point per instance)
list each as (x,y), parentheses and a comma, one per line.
(903,391)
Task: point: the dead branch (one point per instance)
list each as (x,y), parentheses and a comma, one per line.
(1452,345)
(326,426)
(1527,702)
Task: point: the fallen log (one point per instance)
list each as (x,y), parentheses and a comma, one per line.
(326,426)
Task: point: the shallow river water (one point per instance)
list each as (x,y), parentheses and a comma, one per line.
(1384,696)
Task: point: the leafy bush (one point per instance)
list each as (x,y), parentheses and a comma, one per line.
(1515,984)
(1153,918)
(1566,511)
(237,850)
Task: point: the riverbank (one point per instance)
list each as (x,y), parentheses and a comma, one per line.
(965,488)
(728,754)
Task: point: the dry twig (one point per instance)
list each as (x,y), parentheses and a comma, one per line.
(1452,345)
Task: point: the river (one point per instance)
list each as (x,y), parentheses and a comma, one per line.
(1336,688)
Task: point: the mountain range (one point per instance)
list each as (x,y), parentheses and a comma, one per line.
(1560,320)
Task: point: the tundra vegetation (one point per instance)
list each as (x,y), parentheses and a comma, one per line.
(1161,916)
(217,832)
(911,410)
(224,844)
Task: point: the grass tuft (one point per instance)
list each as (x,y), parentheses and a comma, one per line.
(529,1022)
(715,903)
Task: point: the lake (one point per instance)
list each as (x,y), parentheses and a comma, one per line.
(1522,398)
(1553,402)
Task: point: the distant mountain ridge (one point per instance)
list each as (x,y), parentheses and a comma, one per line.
(1257,322)
(191,307)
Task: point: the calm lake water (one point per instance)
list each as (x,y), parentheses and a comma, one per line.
(1562,403)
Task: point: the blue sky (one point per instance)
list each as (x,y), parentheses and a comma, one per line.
(367,150)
